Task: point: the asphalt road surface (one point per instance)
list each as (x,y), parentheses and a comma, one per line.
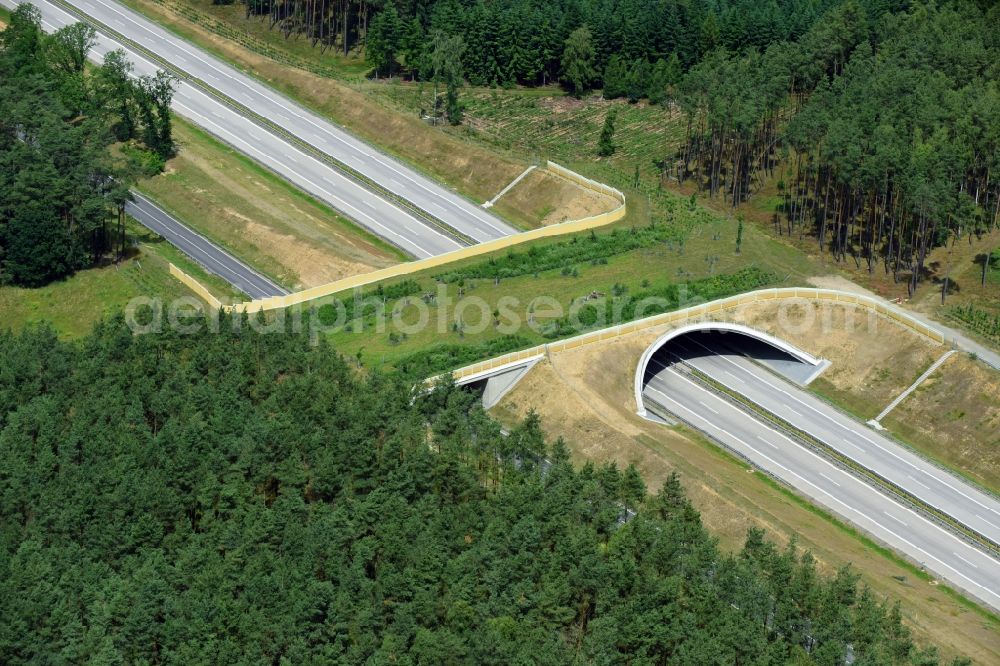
(414,236)
(938,550)
(942,490)
(211,257)
(455,211)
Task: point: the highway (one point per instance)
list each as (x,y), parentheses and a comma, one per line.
(938,550)
(209,255)
(411,234)
(940,489)
(458,213)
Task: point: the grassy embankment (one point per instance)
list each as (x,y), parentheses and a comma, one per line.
(260,217)
(475,172)
(599,423)
(504,127)
(73,305)
(254,214)
(450,155)
(953,417)
(707,250)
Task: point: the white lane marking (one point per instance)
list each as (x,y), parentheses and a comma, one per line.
(332,198)
(849,508)
(707,407)
(987,522)
(829,479)
(895,518)
(910,477)
(768,442)
(250,274)
(408,242)
(988,508)
(169,39)
(195,249)
(741,381)
(965,560)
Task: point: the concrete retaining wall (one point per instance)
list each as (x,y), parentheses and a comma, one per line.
(583,181)
(640,370)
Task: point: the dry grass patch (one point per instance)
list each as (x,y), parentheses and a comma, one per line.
(543,198)
(585,396)
(873,360)
(954,416)
(958,259)
(259,217)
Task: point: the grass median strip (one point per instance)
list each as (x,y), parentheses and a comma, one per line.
(866,474)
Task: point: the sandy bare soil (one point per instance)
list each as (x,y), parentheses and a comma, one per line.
(474,170)
(839,282)
(954,416)
(315,265)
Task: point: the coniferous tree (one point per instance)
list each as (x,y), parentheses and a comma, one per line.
(384,40)
(235,496)
(578,61)
(615,78)
(61,183)
(606,142)
(638,80)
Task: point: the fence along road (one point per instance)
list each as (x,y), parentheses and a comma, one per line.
(464,216)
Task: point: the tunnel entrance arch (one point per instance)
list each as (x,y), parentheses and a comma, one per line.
(776,343)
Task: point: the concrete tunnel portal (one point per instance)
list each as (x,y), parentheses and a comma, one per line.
(704,338)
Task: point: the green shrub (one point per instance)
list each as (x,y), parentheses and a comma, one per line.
(363,306)
(437,359)
(981,321)
(595,248)
(657,300)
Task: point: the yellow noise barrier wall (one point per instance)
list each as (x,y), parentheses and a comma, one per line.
(196,287)
(278,302)
(704,310)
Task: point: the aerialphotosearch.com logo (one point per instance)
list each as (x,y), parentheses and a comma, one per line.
(547,315)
